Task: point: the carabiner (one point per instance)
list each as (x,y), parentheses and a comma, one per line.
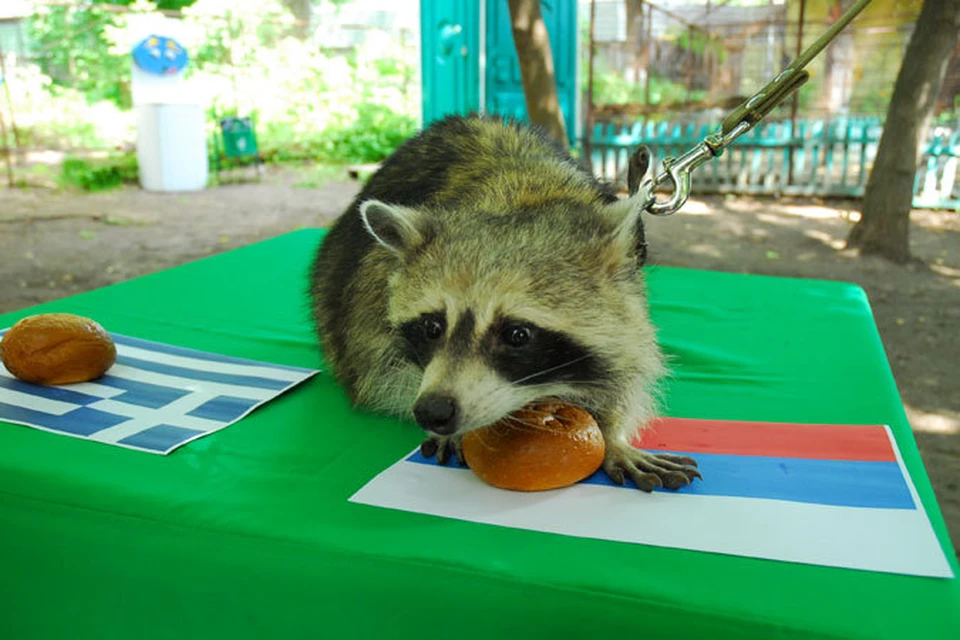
(679,170)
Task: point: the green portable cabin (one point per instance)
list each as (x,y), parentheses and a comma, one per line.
(470,62)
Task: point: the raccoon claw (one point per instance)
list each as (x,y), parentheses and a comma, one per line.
(443,447)
(649,471)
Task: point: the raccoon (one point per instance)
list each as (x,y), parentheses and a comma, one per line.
(481,268)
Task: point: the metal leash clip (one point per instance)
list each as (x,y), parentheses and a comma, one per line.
(741,120)
(678,170)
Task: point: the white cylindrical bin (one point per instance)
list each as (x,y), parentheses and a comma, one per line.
(172,147)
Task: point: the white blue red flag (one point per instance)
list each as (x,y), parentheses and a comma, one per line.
(835,495)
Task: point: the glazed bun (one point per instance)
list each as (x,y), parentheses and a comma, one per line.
(545,445)
(57,348)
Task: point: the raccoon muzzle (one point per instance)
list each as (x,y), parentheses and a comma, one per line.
(437,413)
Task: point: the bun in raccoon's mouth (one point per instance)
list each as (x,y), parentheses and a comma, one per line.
(544,445)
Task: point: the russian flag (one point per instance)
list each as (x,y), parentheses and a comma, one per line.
(834,495)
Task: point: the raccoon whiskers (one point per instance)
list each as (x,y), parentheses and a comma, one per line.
(522,423)
(482,441)
(396,389)
(550,369)
(494,406)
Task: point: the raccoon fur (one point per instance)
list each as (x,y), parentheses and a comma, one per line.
(479,269)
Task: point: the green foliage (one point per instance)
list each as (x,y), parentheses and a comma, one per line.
(307,103)
(73,49)
(163,5)
(230,34)
(374,135)
(612,88)
(54,117)
(700,43)
(99,175)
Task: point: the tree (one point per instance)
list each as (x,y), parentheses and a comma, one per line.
(72,46)
(884,225)
(302,10)
(536,67)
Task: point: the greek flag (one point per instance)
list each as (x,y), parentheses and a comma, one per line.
(156,398)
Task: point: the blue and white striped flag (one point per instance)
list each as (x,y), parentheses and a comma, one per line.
(156,398)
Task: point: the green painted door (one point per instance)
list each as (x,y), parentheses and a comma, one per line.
(504,88)
(450,54)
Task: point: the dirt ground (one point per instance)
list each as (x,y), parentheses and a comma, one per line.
(58,244)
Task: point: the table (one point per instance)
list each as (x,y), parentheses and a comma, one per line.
(248,533)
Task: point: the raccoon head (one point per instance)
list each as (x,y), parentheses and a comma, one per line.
(498,310)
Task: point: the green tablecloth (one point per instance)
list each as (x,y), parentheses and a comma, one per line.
(248,532)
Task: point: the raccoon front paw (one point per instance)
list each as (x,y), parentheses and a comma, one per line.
(443,447)
(649,470)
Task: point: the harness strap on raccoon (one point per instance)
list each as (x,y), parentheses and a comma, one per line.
(739,121)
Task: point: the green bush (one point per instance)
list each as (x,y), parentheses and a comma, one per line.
(100,175)
(54,117)
(374,135)
(307,103)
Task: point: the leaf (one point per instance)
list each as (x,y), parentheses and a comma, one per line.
(773,255)
(87,235)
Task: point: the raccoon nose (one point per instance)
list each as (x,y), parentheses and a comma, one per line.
(437,413)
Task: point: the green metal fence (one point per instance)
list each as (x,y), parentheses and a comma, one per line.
(817,158)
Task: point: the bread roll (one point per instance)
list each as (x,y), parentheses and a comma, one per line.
(57,348)
(545,445)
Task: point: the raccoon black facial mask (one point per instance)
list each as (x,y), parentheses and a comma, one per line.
(481,269)
(422,336)
(525,354)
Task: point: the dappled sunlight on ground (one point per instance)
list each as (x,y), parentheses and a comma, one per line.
(705,250)
(936,423)
(947,272)
(696,208)
(829,240)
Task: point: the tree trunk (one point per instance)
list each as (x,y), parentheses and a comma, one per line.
(884,225)
(302,11)
(636,52)
(536,68)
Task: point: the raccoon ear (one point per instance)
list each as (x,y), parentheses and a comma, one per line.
(637,168)
(628,237)
(398,228)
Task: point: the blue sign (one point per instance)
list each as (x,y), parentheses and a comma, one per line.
(160,55)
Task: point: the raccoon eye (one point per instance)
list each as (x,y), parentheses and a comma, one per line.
(516,335)
(433,327)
